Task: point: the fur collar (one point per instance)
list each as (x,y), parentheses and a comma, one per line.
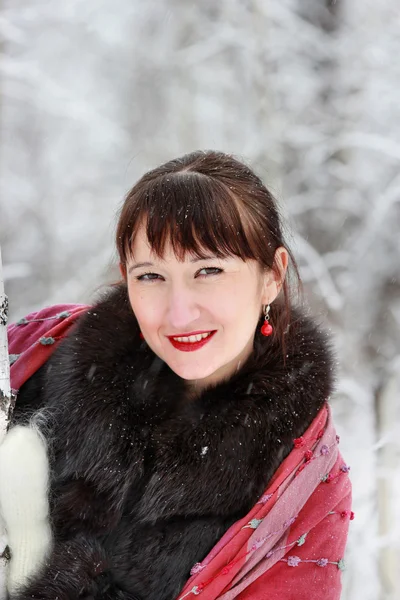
(294,389)
(108,355)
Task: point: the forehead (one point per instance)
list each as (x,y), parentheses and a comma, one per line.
(141,249)
(140,243)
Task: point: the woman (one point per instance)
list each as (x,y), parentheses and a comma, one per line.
(191,446)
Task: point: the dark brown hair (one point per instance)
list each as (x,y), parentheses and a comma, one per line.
(208,202)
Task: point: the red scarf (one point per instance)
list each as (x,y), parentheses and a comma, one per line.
(291,543)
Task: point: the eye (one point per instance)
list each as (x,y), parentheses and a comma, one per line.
(211,271)
(147,277)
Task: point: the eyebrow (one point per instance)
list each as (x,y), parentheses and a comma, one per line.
(150,264)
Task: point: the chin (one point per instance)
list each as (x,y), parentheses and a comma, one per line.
(192,373)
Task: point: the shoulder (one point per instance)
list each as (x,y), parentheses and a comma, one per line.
(31,327)
(33,338)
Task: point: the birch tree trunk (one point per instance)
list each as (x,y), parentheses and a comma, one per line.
(5,389)
(388,459)
(5,405)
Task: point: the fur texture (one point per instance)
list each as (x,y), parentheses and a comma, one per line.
(24,502)
(145,482)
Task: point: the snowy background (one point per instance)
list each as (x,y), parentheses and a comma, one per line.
(94,92)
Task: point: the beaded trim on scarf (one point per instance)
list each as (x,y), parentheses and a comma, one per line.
(291,560)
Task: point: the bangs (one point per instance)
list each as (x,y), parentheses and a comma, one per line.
(193,212)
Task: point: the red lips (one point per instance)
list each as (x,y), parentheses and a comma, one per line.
(191,346)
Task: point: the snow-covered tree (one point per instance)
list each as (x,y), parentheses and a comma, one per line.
(5,405)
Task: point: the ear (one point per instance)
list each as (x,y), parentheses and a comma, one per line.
(274,278)
(122,269)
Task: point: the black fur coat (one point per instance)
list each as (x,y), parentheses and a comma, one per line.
(145,482)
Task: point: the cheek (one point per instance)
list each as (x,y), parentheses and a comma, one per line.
(238,307)
(240,318)
(144,307)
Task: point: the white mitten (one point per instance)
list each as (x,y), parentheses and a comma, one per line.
(24,479)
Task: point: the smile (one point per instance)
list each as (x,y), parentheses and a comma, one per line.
(191,342)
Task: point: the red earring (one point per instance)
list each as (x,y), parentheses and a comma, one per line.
(266,328)
(141,335)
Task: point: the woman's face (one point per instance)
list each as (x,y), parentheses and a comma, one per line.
(217,298)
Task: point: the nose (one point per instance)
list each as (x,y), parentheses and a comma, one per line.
(183,310)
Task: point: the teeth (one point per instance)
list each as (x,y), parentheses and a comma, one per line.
(192,338)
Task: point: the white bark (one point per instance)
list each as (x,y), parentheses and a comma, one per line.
(5,389)
(5,402)
(388,459)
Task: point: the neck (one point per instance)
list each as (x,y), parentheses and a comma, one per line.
(196,387)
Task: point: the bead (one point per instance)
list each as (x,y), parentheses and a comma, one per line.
(197,567)
(46,341)
(254,523)
(198,589)
(308,455)
(322,562)
(266,329)
(299,442)
(293,561)
(22,321)
(13,358)
(324,449)
(301,539)
(257,544)
(264,499)
(341,565)
(351,515)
